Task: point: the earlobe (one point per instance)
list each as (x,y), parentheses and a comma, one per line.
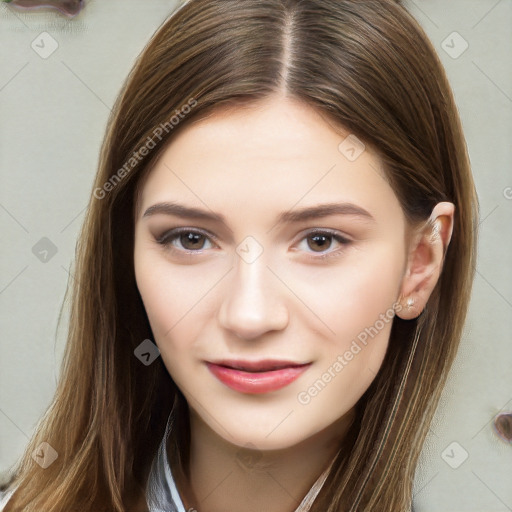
(425,261)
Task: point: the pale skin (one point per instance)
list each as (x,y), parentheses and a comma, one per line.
(206,302)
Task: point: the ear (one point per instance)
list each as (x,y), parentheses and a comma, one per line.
(427,248)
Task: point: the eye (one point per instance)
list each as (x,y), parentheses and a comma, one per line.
(322,240)
(187,240)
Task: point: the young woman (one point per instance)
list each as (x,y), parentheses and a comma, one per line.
(273,274)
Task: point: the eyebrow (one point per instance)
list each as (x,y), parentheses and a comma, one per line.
(291,216)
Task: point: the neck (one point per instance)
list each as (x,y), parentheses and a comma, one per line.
(222,476)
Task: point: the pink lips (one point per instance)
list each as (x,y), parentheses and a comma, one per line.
(256,376)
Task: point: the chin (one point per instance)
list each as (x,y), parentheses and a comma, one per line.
(277,433)
(262,442)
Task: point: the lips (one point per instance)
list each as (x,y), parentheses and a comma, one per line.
(264,365)
(256,377)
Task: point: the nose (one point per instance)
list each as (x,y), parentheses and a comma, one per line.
(252,304)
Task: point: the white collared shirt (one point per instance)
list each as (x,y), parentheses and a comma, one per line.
(4,498)
(161,492)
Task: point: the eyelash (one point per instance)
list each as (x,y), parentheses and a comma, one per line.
(171,235)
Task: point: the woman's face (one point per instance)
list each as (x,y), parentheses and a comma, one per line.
(252,270)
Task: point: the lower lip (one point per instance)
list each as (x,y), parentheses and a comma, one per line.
(256,382)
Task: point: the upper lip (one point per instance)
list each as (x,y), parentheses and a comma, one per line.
(258,366)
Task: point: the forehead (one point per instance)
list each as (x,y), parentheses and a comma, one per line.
(268,156)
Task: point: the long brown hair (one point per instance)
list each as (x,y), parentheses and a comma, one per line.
(365,65)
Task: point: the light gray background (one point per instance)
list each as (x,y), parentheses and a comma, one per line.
(53,113)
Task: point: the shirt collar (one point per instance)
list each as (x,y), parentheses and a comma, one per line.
(162,494)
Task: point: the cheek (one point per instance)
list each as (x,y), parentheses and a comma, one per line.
(176,300)
(343,299)
(166,310)
(172,294)
(358,308)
